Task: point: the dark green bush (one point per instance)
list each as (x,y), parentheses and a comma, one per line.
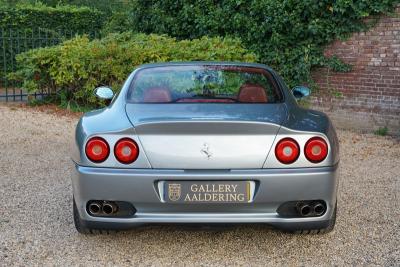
(105,6)
(118,22)
(24,27)
(59,18)
(289,35)
(77,66)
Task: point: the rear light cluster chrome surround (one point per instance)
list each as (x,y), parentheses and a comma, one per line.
(97,149)
(126,150)
(316,149)
(287,150)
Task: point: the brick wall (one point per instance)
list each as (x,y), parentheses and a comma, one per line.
(368,97)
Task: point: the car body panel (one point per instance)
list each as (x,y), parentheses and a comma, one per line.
(192,145)
(301,137)
(171,138)
(147,113)
(206,136)
(273,187)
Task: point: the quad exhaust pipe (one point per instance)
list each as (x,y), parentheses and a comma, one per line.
(109,208)
(302,208)
(306,209)
(102,208)
(319,209)
(94,208)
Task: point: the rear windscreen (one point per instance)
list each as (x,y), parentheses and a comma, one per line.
(203,84)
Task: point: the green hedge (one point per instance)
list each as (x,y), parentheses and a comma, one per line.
(59,18)
(102,5)
(24,27)
(289,35)
(77,66)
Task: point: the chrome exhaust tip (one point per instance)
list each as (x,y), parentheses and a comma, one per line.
(319,209)
(304,209)
(109,208)
(94,208)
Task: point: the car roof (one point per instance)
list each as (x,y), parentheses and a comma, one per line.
(200,63)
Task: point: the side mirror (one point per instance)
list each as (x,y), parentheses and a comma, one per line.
(104,93)
(300,92)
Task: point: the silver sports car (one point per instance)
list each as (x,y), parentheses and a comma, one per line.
(205,143)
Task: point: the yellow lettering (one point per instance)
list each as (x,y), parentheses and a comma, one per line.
(221,188)
(200,199)
(214,197)
(213,188)
(193,187)
(187,198)
(234,187)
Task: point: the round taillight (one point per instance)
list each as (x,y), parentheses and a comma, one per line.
(126,150)
(316,149)
(287,150)
(97,149)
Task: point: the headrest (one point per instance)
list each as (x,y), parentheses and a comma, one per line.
(252,93)
(157,95)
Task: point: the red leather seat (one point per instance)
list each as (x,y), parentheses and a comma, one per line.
(252,93)
(157,95)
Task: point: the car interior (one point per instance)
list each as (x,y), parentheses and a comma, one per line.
(248,93)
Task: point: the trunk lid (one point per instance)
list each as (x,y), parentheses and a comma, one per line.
(206,136)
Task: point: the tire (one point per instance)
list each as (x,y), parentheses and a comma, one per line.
(81,226)
(325,230)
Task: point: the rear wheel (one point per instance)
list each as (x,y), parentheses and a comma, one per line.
(81,226)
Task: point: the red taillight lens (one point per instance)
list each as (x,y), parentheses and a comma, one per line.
(287,150)
(126,150)
(316,149)
(97,149)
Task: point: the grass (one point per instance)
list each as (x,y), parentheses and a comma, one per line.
(382,131)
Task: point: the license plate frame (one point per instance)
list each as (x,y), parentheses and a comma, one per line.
(206,192)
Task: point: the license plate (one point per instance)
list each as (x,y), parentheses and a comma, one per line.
(208,191)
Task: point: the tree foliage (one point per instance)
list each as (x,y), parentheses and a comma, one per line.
(289,35)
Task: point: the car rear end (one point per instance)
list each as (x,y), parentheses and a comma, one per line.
(183,153)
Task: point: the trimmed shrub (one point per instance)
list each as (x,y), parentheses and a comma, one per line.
(30,26)
(60,18)
(102,5)
(288,35)
(74,68)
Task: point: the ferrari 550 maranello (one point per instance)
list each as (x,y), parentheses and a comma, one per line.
(205,143)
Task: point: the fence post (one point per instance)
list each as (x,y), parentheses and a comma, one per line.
(4,63)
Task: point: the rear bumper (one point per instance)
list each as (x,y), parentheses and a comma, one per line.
(140,188)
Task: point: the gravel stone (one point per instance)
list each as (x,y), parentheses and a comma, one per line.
(36,224)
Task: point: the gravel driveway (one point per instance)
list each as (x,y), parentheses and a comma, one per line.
(36,224)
